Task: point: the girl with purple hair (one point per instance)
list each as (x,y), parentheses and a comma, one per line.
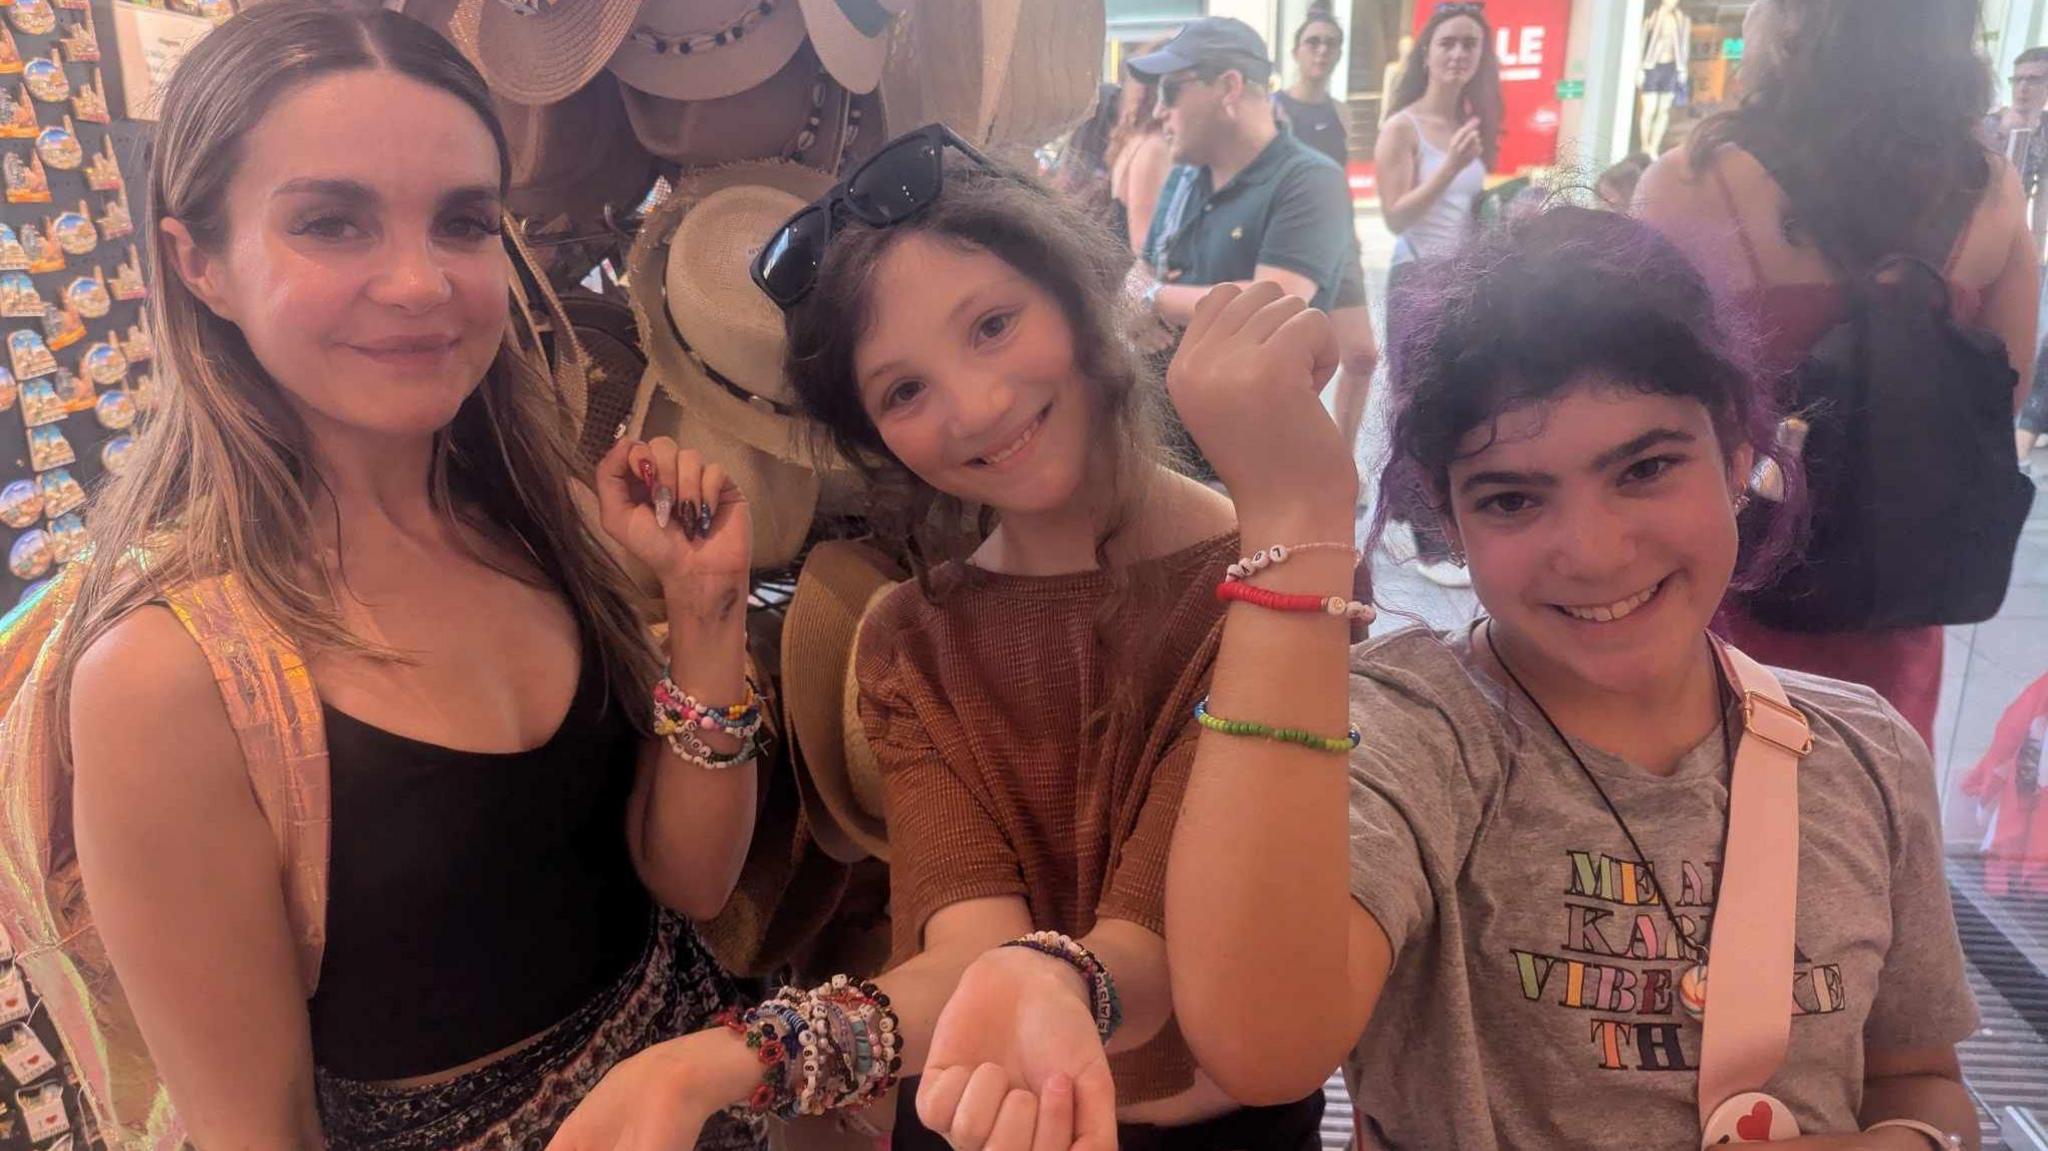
(1501,947)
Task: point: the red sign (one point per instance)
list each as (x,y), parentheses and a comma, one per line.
(1529,40)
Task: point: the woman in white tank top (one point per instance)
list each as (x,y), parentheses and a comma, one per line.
(1432,158)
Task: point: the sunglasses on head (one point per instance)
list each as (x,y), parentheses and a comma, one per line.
(1462,7)
(895,184)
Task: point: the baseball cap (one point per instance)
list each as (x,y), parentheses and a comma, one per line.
(1212,43)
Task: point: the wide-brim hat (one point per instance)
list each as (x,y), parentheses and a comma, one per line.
(705,49)
(1046,60)
(841,580)
(541,51)
(936,70)
(782,497)
(572,159)
(852,37)
(799,113)
(715,340)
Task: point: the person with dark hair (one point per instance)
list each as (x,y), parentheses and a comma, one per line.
(1838,159)
(1139,156)
(1031,697)
(1540,802)
(383,839)
(1432,157)
(1308,110)
(1306,104)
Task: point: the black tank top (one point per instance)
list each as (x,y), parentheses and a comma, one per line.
(473,899)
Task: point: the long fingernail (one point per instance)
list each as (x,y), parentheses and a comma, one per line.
(664,504)
(704,521)
(690,519)
(647,474)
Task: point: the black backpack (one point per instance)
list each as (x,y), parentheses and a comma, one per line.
(1917,498)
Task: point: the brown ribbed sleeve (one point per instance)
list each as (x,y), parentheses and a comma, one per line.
(1035,736)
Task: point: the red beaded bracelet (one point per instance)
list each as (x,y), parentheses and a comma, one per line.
(1282,601)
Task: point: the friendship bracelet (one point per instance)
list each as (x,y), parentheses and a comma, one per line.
(1259,561)
(1335,605)
(678,708)
(837,1046)
(1108,1007)
(1248,730)
(687,747)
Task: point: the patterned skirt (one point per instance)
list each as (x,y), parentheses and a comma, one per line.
(516,1103)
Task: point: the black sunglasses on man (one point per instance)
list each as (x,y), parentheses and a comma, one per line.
(893,185)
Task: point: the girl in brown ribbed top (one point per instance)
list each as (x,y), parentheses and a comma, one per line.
(1032,705)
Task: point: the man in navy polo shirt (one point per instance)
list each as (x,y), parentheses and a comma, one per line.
(1247,201)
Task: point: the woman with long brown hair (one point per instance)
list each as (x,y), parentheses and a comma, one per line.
(1837,158)
(1138,154)
(1439,141)
(379,846)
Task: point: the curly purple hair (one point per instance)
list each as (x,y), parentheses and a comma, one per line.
(1528,311)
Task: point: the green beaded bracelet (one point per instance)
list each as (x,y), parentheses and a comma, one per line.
(1249,730)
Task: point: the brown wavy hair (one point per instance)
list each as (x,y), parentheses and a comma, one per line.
(221,477)
(1482,97)
(1837,115)
(1053,243)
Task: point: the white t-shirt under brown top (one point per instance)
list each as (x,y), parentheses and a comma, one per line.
(1533,998)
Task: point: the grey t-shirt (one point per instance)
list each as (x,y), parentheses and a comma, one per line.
(1533,999)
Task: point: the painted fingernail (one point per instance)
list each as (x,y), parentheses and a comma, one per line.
(690,519)
(664,504)
(647,474)
(704,521)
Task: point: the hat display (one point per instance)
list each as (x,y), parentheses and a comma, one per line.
(705,49)
(1047,61)
(1212,42)
(715,340)
(541,51)
(799,113)
(573,158)
(852,37)
(841,580)
(937,66)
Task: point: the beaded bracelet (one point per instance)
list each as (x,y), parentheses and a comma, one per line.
(1247,729)
(1335,605)
(836,1046)
(1259,561)
(679,708)
(688,747)
(1108,1007)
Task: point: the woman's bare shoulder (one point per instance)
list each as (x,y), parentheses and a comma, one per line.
(144,685)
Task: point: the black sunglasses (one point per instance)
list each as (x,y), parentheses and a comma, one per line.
(894,185)
(1462,7)
(1169,89)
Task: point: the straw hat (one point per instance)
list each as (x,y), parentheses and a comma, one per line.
(996,71)
(540,51)
(853,37)
(782,497)
(800,114)
(705,49)
(715,340)
(570,158)
(1047,60)
(842,787)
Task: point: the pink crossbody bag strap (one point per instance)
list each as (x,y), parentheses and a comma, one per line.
(1749,969)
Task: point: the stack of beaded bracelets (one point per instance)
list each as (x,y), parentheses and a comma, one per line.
(1109,1009)
(1234,586)
(831,1048)
(678,717)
